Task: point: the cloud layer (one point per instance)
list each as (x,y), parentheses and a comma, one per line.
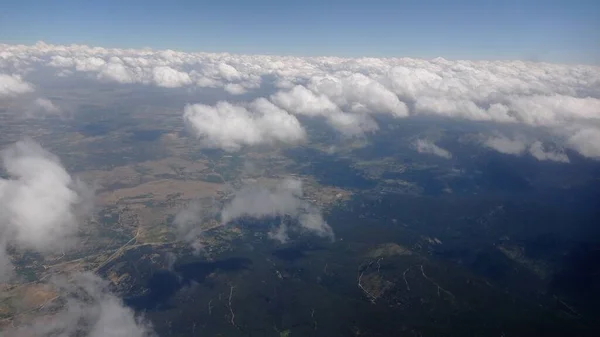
(346,93)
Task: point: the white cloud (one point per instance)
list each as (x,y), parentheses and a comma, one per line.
(46,105)
(39,203)
(302,101)
(229,127)
(90,310)
(350,124)
(189,220)
(59,61)
(170,78)
(464,109)
(586,141)
(39,209)
(538,151)
(520,145)
(312,221)
(228,72)
(481,81)
(284,198)
(206,82)
(357,89)
(258,201)
(11,85)
(116,72)
(89,64)
(426,146)
(550,110)
(506,145)
(40,200)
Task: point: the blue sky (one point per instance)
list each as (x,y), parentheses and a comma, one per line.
(548,30)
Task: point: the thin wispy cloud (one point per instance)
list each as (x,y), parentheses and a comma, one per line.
(88,309)
(426,146)
(281,199)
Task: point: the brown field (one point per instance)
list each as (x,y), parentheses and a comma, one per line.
(159,190)
(132,175)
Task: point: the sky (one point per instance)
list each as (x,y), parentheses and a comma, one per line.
(562,31)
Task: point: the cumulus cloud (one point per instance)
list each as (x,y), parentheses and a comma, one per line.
(300,100)
(39,201)
(460,108)
(284,198)
(118,72)
(359,92)
(229,127)
(11,85)
(59,61)
(426,146)
(586,141)
(519,146)
(170,78)
(550,110)
(506,145)
(350,124)
(89,310)
(89,64)
(228,72)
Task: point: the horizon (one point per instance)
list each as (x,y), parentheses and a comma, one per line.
(319,56)
(555,32)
